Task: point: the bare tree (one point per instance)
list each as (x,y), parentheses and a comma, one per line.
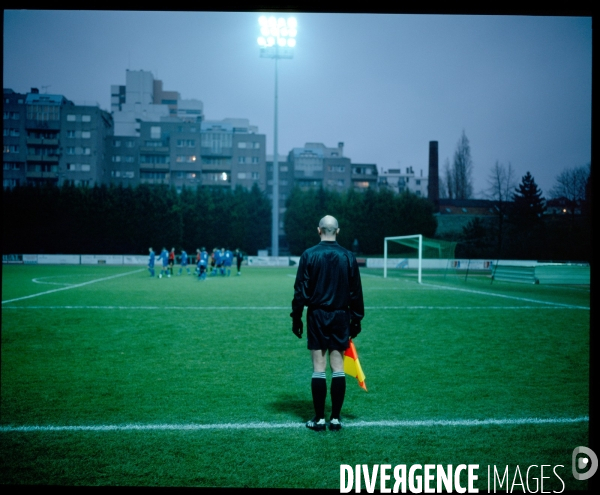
(501,185)
(449,179)
(462,169)
(571,184)
(502,182)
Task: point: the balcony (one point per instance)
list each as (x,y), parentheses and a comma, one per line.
(152,150)
(42,175)
(43,158)
(42,141)
(204,151)
(43,124)
(165,167)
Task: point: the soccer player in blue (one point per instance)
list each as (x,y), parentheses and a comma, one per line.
(184,263)
(164,255)
(202,264)
(151,259)
(227,261)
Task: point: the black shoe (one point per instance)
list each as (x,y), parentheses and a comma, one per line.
(316,424)
(335,424)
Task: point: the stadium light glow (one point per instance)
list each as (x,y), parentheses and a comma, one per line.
(276,40)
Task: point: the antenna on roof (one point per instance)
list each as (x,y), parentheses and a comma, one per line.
(45,88)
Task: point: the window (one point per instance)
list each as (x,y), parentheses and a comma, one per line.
(86,134)
(11,166)
(129,159)
(70,150)
(186,143)
(117,143)
(242,144)
(256,145)
(71,118)
(185,158)
(71,134)
(241,175)
(86,118)
(155,132)
(256,176)
(10,182)
(255,160)
(11,148)
(87,151)
(85,168)
(116,158)
(128,175)
(71,167)
(240,159)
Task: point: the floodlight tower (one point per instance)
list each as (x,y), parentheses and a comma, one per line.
(277,40)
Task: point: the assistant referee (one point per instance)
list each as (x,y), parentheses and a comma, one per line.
(328,283)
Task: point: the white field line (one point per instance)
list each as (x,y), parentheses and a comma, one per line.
(283,308)
(71,286)
(492,294)
(264,425)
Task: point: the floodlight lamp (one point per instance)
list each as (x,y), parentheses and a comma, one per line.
(292,23)
(281,22)
(274,31)
(291,42)
(292,32)
(264,31)
(272,21)
(284,32)
(261,41)
(281,41)
(270,41)
(224,176)
(262,20)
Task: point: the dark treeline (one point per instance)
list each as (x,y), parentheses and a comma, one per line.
(124,220)
(367,217)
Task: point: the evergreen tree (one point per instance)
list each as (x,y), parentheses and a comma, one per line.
(527,225)
(528,204)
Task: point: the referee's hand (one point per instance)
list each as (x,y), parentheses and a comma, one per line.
(297,327)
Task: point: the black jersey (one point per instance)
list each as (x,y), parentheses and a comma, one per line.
(328,279)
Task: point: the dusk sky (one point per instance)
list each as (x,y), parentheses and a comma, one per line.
(384,84)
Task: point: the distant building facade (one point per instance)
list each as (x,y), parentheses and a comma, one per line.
(399,180)
(49,139)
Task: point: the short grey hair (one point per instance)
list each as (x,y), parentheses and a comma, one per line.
(328,224)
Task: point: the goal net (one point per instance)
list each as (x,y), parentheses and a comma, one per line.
(414,253)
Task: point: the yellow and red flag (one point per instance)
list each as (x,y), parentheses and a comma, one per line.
(352,365)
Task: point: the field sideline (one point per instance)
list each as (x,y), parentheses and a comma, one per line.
(110,377)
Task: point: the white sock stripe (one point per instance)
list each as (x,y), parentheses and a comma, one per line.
(319,375)
(337,374)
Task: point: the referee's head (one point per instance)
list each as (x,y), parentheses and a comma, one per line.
(328,228)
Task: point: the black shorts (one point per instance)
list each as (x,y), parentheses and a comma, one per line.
(328,330)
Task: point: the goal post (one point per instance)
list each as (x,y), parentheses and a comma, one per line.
(416,239)
(420,248)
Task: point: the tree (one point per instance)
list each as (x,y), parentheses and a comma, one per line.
(462,170)
(571,184)
(527,224)
(501,184)
(528,203)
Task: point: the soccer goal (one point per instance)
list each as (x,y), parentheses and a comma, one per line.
(412,251)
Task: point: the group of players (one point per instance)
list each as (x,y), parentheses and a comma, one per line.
(218,262)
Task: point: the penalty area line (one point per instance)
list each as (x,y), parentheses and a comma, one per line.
(265,425)
(72,286)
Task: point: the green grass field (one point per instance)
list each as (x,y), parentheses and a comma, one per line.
(110,377)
